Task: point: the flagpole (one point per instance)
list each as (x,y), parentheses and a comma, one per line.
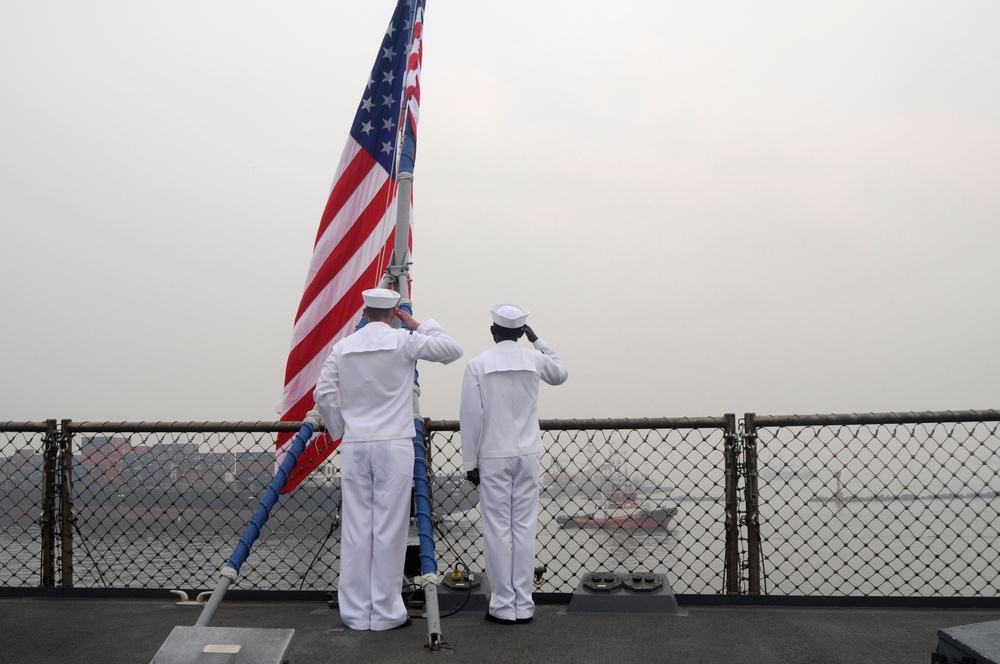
(381,148)
(398,272)
(398,275)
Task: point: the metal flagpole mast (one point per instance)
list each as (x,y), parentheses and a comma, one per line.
(398,272)
(398,275)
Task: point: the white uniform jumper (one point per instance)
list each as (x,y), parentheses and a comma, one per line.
(365,393)
(501,437)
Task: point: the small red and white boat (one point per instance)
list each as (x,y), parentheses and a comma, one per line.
(620,510)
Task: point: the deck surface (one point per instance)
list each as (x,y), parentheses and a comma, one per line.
(41,630)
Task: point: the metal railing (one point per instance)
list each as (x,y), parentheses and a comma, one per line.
(836,505)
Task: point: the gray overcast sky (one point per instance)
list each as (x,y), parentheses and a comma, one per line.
(778,207)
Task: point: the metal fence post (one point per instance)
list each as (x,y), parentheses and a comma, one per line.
(47,520)
(752,511)
(732,508)
(66,517)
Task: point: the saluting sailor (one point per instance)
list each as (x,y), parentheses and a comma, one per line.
(501,446)
(365,394)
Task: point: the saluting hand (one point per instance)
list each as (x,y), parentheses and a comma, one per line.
(528,332)
(407,320)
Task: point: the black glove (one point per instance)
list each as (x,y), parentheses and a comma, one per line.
(473,476)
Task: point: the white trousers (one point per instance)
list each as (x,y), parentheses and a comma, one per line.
(508,500)
(375,488)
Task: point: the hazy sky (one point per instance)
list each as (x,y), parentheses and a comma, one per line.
(776,207)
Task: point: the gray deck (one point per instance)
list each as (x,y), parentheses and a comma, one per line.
(42,630)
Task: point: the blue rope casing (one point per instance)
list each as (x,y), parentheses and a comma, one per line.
(270,498)
(422,500)
(421,485)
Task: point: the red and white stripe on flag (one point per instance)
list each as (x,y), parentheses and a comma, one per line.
(356,232)
(413,65)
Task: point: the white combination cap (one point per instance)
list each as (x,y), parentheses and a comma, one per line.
(509,315)
(380,298)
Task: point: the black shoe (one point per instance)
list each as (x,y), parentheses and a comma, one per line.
(523,621)
(409,621)
(500,621)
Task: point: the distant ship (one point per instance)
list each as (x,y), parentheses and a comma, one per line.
(591,481)
(620,509)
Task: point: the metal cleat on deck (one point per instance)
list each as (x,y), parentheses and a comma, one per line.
(183,600)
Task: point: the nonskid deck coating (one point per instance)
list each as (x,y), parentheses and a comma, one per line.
(44,630)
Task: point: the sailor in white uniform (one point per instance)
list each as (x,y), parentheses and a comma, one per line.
(501,446)
(365,394)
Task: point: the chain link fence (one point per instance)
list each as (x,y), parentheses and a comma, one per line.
(890,504)
(159,505)
(165,505)
(24,534)
(615,495)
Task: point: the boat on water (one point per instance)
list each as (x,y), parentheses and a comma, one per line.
(591,480)
(620,509)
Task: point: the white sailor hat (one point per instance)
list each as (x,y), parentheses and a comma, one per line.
(380,298)
(509,315)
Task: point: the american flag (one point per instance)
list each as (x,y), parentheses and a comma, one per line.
(357,230)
